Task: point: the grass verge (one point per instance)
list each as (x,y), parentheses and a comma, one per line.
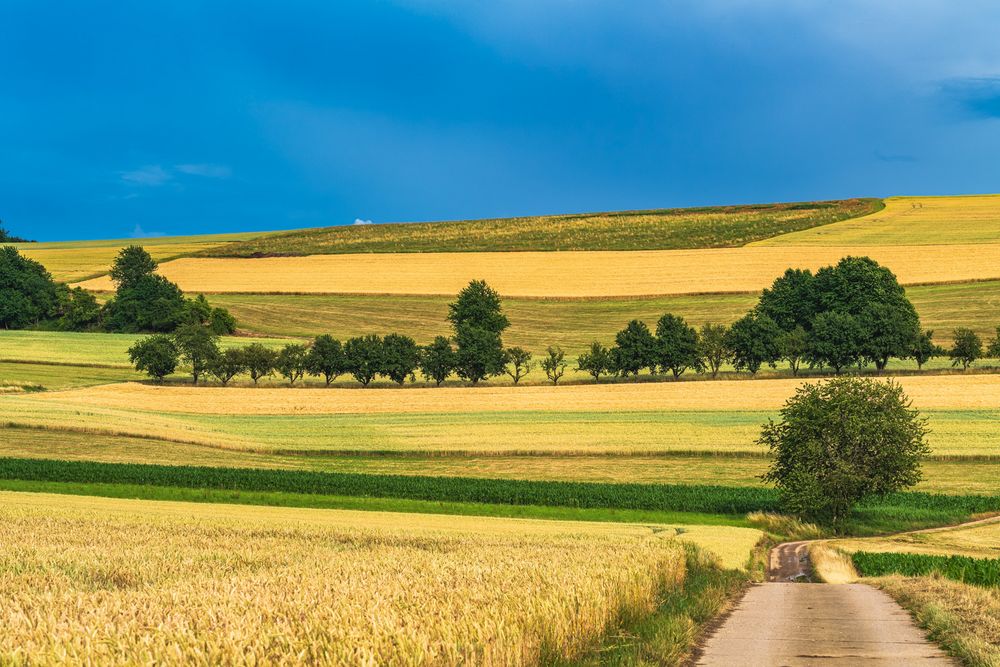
(668,636)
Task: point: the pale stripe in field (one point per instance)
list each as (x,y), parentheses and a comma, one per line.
(941,392)
(564,274)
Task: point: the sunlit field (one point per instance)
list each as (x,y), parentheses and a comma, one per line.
(909,221)
(979,541)
(564,274)
(70,261)
(119,582)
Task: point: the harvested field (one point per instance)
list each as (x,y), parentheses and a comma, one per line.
(563,274)
(173,583)
(909,221)
(929,392)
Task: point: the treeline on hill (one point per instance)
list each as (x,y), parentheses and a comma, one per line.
(143,301)
(849,315)
(7,237)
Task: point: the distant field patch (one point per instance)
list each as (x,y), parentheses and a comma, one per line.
(947,392)
(980,541)
(180,583)
(707,227)
(910,221)
(71,261)
(563,274)
(570,323)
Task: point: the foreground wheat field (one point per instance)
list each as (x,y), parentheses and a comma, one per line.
(909,221)
(122,582)
(564,274)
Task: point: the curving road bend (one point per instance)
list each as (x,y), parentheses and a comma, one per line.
(785,623)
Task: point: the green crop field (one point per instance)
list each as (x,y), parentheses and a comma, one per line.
(570,323)
(710,227)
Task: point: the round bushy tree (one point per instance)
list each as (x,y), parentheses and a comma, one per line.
(841,441)
(156,355)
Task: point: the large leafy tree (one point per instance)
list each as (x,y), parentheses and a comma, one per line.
(753,341)
(27,293)
(791,301)
(635,348)
(437,360)
(479,322)
(836,341)
(400,357)
(677,345)
(326,358)
(364,357)
(842,441)
(198,346)
(144,301)
(156,355)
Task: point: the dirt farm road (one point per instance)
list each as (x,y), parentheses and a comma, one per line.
(785,623)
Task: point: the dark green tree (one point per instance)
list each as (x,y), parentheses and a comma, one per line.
(517,363)
(131,265)
(635,348)
(842,441)
(291,362)
(479,322)
(793,347)
(7,237)
(197,346)
(78,309)
(227,364)
(924,349)
(791,301)
(145,303)
(835,341)
(993,351)
(966,348)
(326,358)
(437,360)
(596,361)
(400,357)
(156,355)
(554,363)
(222,322)
(197,310)
(753,341)
(259,361)
(677,345)
(712,347)
(27,293)
(364,357)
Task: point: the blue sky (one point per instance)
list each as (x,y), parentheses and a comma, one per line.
(131,118)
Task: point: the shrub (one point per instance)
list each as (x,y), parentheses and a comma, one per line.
(554,364)
(517,363)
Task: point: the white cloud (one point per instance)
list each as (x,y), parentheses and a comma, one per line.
(140,233)
(359,221)
(151,175)
(206,170)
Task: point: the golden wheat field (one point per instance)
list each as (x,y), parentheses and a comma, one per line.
(909,221)
(937,392)
(563,274)
(70,261)
(103,581)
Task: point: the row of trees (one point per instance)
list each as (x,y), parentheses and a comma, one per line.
(143,301)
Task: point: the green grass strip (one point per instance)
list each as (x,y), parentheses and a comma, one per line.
(976,571)
(314,501)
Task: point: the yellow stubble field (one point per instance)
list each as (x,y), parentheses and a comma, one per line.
(111,581)
(563,274)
